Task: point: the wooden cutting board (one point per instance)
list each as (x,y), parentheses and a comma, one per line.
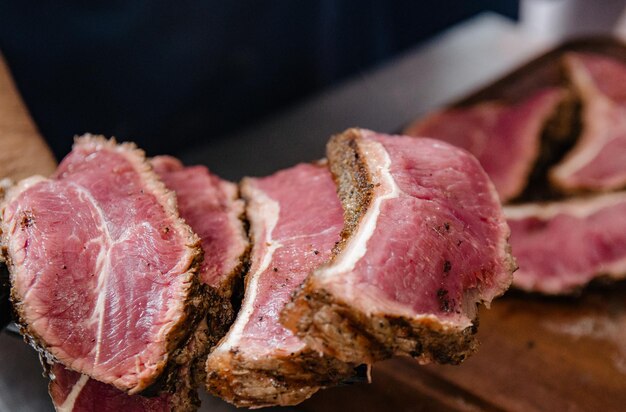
(23,152)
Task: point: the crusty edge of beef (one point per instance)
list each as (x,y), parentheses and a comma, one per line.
(355,188)
(276,380)
(232,285)
(332,326)
(195,304)
(286,380)
(581,97)
(557,135)
(328,324)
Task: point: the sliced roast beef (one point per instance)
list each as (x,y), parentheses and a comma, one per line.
(73,392)
(424,241)
(561,246)
(103,269)
(295,219)
(211,206)
(506,139)
(598,161)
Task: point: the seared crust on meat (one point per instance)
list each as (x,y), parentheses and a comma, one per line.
(196,298)
(354,183)
(275,377)
(320,318)
(332,326)
(276,380)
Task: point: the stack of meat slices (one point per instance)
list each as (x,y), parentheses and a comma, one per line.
(575,233)
(125,273)
(109,281)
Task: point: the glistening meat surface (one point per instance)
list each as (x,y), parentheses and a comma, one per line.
(562,246)
(211,206)
(72,392)
(506,139)
(424,242)
(598,161)
(102,267)
(295,218)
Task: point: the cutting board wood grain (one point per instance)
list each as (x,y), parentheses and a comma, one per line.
(23,152)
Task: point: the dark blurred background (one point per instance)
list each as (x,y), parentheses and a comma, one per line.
(174,75)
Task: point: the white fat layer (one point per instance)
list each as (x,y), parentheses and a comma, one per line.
(356,246)
(596,105)
(102,269)
(68,404)
(593,141)
(579,208)
(270,210)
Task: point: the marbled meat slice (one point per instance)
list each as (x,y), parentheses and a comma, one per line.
(103,269)
(562,246)
(598,160)
(506,139)
(424,242)
(73,392)
(211,206)
(295,219)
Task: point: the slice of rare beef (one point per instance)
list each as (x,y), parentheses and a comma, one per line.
(562,246)
(295,219)
(598,160)
(103,269)
(72,392)
(424,242)
(211,206)
(213,210)
(506,139)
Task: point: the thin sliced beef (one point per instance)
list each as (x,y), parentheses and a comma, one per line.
(506,139)
(211,206)
(213,210)
(295,218)
(598,161)
(424,242)
(562,246)
(103,269)
(73,392)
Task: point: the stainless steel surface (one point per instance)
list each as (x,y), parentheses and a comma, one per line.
(383,99)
